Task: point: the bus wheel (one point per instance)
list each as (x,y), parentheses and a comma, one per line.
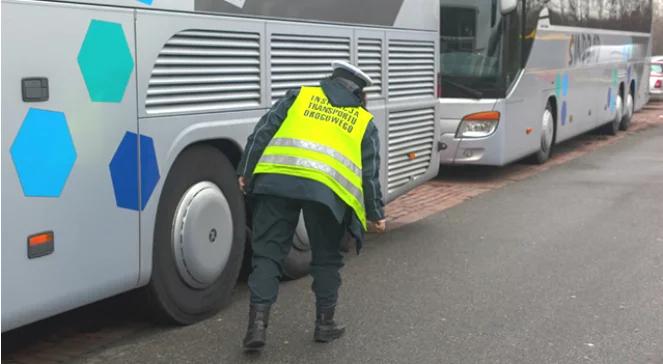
(547,136)
(298,262)
(198,237)
(628,115)
(612,128)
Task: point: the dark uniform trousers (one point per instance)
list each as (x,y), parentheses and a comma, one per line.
(274,222)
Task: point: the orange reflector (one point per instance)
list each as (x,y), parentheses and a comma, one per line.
(483,116)
(40,239)
(529,131)
(412,155)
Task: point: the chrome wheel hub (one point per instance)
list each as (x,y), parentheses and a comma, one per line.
(301,240)
(620,110)
(629,106)
(202,234)
(547,131)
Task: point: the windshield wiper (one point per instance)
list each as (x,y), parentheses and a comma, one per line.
(468,90)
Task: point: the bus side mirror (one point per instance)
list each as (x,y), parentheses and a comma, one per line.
(507,6)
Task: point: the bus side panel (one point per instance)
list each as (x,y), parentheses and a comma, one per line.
(56,173)
(582,69)
(522,112)
(371,60)
(412,111)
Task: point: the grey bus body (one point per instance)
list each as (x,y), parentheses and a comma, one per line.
(577,58)
(192,73)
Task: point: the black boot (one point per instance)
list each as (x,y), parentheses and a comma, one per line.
(326,329)
(256,333)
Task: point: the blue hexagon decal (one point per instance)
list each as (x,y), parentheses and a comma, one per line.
(610,101)
(43,153)
(124,171)
(147,2)
(565,85)
(105,61)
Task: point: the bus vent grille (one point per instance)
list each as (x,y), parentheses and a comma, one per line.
(205,71)
(298,60)
(411,69)
(410,145)
(369,55)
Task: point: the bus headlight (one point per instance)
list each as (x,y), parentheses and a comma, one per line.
(479,125)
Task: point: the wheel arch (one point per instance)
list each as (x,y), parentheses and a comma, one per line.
(228,146)
(633,92)
(552,101)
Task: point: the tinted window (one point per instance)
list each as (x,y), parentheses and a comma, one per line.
(513,46)
(471,50)
(657,68)
(481,50)
(458,30)
(532,10)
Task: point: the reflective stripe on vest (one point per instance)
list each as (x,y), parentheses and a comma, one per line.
(315,147)
(321,142)
(319,166)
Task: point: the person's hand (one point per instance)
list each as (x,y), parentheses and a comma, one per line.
(242,183)
(378,227)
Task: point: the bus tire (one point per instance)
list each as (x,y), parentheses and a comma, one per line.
(612,128)
(547,141)
(298,262)
(195,265)
(628,112)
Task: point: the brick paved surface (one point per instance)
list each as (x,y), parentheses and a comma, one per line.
(66,337)
(457,184)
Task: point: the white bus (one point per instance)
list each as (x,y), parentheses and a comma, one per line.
(519,76)
(123,120)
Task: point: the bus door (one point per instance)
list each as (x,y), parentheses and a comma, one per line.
(70,206)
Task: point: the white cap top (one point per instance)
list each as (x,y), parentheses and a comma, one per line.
(354,70)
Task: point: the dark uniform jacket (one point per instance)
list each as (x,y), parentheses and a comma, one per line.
(306,189)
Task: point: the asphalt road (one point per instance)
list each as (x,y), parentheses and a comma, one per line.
(564,267)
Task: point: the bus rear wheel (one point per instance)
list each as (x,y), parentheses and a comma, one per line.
(628,114)
(612,128)
(298,262)
(198,239)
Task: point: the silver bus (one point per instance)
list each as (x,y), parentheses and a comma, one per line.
(519,76)
(123,121)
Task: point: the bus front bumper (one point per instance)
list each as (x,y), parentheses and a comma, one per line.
(484,151)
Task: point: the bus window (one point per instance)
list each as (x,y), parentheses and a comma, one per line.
(470,50)
(458,30)
(513,59)
(481,50)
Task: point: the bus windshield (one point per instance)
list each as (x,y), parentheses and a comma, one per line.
(470,50)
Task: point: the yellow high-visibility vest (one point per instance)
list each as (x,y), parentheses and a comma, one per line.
(321,142)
